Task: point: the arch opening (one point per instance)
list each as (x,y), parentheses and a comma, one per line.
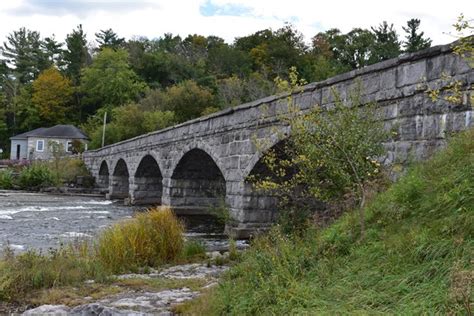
(148,182)
(120,186)
(262,205)
(197,183)
(103,178)
(266,204)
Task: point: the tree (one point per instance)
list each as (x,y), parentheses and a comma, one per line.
(76,55)
(386,44)
(188,100)
(414,40)
(224,61)
(347,51)
(109,81)
(23,50)
(53,51)
(163,69)
(126,122)
(274,52)
(109,39)
(330,153)
(52,95)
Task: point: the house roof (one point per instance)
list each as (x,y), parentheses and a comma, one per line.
(58,131)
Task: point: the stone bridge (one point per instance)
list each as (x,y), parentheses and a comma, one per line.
(205,162)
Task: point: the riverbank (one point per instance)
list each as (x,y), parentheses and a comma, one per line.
(155,292)
(87,276)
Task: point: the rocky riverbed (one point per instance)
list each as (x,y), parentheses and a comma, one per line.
(144,301)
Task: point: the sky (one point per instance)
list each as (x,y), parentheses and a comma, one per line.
(226,18)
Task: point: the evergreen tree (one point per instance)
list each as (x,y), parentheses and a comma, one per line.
(386,44)
(109,39)
(414,40)
(54,52)
(23,50)
(76,55)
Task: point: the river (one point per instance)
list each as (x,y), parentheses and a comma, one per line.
(43,221)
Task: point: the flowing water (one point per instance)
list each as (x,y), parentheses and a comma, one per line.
(43,221)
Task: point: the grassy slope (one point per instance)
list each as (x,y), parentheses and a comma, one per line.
(417,257)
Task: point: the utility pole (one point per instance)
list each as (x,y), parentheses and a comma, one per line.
(103,129)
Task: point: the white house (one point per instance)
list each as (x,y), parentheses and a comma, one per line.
(36,144)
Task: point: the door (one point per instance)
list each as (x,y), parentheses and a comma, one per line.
(18,149)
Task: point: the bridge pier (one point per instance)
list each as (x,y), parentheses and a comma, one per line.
(118,187)
(251,211)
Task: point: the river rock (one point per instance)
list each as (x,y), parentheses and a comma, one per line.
(191,271)
(49,310)
(101,310)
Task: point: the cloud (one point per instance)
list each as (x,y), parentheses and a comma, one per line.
(228,9)
(224,18)
(79,7)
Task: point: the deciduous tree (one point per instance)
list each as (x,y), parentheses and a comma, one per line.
(52,96)
(109,81)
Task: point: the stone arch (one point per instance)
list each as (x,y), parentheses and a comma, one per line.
(103,177)
(120,185)
(273,141)
(148,182)
(257,205)
(197,182)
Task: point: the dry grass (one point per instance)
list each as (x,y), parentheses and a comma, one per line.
(149,239)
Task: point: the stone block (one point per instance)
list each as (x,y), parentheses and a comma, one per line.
(410,74)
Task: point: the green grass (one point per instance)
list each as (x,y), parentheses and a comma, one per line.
(416,258)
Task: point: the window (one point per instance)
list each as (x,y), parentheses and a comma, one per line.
(69,147)
(40,145)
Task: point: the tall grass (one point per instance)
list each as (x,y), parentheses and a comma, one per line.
(149,239)
(416,257)
(24,273)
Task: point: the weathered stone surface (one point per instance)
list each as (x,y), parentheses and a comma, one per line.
(101,310)
(205,162)
(184,271)
(48,310)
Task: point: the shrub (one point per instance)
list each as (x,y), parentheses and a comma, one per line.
(6,179)
(150,239)
(67,169)
(36,176)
